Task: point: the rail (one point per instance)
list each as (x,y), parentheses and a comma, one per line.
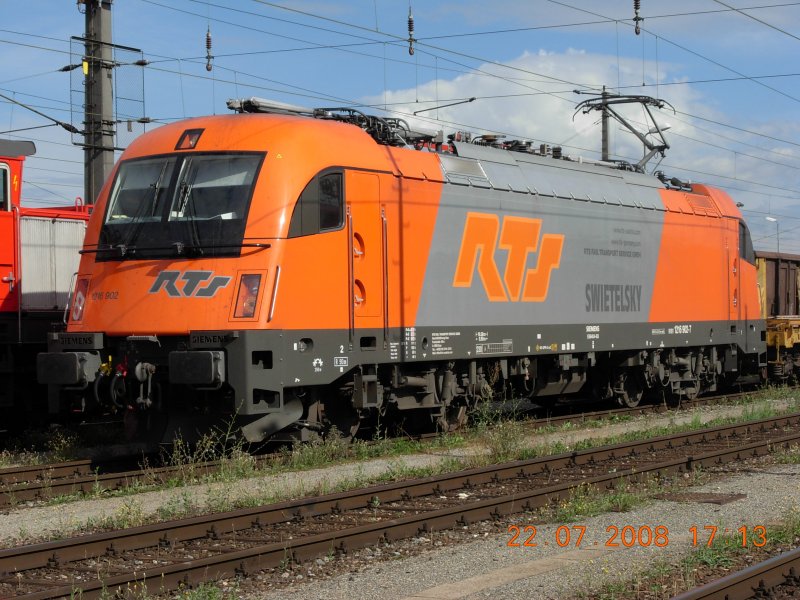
(757,581)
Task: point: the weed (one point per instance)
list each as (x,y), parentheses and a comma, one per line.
(612,590)
(210,591)
(62,444)
(505,440)
(721,553)
(8,459)
(177,506)
(130,514)
(318,452)
(219,498)
(791,456)
(587,501)
(23,533)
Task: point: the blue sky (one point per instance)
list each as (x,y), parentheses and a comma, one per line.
(728,67)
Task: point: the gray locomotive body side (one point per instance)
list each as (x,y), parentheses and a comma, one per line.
(599,296)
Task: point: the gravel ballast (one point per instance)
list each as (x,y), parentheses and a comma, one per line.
(488,568)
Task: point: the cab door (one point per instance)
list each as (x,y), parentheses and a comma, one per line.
(8,244)
(734,284)
(748,307)
(366,229)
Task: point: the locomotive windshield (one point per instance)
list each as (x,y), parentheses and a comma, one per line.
(187,204)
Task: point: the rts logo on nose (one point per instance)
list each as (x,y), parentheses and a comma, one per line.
(192,280)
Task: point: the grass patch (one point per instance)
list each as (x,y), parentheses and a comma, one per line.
(40,446)
(209,591)
(587,501)
(790,456)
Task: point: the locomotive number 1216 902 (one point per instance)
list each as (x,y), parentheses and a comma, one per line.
(97,296)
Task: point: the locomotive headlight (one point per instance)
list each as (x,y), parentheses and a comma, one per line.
(79,300)
(247,296)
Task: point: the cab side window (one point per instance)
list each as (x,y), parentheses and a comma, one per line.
(746,244)
(320,206)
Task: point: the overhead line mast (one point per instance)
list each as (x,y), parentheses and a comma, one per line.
(98,113)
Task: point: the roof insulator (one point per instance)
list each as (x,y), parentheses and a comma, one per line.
(411,38)
(209,56)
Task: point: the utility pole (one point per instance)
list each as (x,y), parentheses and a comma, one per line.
(99,104)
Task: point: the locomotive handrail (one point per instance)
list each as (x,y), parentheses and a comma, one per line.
(385,274)
(274,293)
(351,276)
(69,296)
(19,279)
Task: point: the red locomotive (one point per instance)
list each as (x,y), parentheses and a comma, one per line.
(38,258)
(308,268)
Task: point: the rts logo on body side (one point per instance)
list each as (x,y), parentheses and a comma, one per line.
(519,236)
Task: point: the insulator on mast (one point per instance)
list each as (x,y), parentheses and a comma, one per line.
(209,56)
(637,4)
(411,38)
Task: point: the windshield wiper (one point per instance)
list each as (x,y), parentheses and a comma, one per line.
(194,233)
(183,199)
(135,226)
(124,249)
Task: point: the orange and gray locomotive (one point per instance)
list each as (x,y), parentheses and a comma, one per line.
(303,268)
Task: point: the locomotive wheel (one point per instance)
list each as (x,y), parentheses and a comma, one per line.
(455,418)
(632,392)
(345,419)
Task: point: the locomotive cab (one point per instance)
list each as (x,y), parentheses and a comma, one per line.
(201,255)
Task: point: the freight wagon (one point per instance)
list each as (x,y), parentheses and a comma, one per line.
(779,287)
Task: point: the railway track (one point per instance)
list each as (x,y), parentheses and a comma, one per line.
(642,409)
(167,556)
(777,577)
(44,482)
(12,476)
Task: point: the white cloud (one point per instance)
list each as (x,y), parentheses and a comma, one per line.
(531,97)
